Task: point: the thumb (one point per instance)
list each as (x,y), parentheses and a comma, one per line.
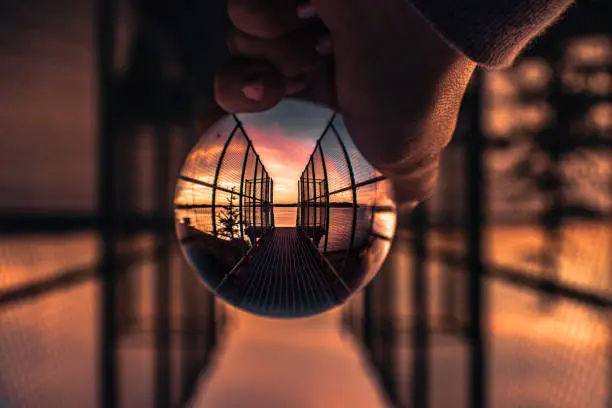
(248,85)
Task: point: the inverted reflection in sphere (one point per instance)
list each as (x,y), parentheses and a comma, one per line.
(280,214)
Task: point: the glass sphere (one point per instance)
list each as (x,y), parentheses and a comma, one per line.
(280,214)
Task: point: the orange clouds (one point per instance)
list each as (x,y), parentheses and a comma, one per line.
(283,155)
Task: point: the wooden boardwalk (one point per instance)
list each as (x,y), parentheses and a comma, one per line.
(289,276)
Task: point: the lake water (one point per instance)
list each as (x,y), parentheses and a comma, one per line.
(340,220)
(201,217)
(285,216)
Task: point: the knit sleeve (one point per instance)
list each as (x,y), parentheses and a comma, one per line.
(490,32)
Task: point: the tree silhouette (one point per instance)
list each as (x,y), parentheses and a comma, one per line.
(229,218)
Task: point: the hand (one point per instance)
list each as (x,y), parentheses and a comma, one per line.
(397,84)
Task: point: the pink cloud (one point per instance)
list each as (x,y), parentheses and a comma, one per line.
(283,155)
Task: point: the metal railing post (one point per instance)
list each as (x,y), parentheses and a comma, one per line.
(264,201)
(475,266)
(314,190)
(108,390)
(326,183)
(307,200)
(247,206)
(302,214)
(420,335)
(254,209)
(244,162)
(216,179)
(353,185)
(240,204)
(267,201)
(272,201)
(609,357)
(261,198)
(163,265)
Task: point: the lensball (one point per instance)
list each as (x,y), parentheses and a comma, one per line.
(280,214)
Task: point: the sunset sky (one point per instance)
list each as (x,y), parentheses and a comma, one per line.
(285,137)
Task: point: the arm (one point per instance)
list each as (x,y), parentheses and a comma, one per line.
(490,32)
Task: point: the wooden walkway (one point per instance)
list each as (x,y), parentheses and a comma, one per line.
(288,276)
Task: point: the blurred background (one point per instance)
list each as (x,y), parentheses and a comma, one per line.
(497,291)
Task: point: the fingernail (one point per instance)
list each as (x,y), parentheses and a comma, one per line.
(305,11)
(293,87)
(407,207)
(231,47)
(325,46)
(254,90)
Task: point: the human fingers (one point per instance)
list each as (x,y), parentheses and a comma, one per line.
(265,18)
(208,118)
(292,54)
(248,85)
(416,184)
(320,86)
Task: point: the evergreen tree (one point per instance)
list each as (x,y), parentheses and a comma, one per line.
(229,218)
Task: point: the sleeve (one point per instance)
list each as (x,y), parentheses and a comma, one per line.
(490,32)
(189,33)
